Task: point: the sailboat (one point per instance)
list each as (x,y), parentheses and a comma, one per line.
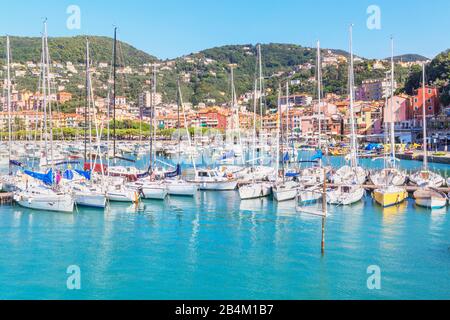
(178,186)
(311,178)
(389,193)
(284,190)
(256,189)
(426,177)
(116,190)
(85,192)
(42,193)
(427,195)
(349,178)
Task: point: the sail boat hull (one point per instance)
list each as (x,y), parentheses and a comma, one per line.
(285,192)
(183,189)
(430,199)
(91,200)
(55,203)
(254,191)
(391,196)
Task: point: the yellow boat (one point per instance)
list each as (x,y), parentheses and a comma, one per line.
(390,196)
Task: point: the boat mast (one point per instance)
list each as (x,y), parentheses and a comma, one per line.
(178,121)
(235,110)
(114,90)
(424,124)
(392,105)
(287,124)
(353,146)
(47,57)
(254,123)
(280,117)
(152,111)
(277,165)
(44,131)
(86,101)
(186,127)
(319,93)
(8,81)
(261,90)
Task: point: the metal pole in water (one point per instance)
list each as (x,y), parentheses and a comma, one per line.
(324,209)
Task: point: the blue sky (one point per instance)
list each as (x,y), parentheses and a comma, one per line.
(170,28)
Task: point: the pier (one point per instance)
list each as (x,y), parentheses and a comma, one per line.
(418,156)
(6,198)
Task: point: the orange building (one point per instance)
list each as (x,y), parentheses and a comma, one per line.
(64,97)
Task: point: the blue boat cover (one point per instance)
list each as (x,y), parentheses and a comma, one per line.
(86,174)
(175,173)
(318,155)
(47,178)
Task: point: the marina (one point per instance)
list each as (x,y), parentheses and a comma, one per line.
(213,176)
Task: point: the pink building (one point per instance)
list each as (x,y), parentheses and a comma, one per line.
(398,110)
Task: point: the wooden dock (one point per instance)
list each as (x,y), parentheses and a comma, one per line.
(6,198)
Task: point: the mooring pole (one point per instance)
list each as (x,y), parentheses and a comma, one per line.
(324,209)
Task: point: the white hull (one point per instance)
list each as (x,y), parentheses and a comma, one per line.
(431,203)
(218,186)
(254,191)
(90,200)
(154,192)
(285,192)
(56,203)
(181,188)
(430,198)
(309,196)
(345,198)
(122,196)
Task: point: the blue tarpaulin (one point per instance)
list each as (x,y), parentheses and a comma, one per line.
(318,155)
(286,157)
(292,174)
(16,163)
(174,174)
(86,174)
(47,178)
(373,146)
(68,174)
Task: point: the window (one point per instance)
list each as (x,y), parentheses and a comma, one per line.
(430,108)
(429,91)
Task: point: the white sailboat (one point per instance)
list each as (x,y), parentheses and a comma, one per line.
(178,186)
(350,178)
(213,180)
(427,195)
(311,178)
(283,190)
(256,188)
(426,177)
(45,199)
(40,196)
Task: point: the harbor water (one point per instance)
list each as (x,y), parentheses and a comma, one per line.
(215,246)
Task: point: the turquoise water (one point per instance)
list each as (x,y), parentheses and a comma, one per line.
(217,247)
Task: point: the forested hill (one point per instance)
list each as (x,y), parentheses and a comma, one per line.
(205,75)
(73,49)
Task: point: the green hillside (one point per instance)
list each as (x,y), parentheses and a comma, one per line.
(207,73)
(72,49)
